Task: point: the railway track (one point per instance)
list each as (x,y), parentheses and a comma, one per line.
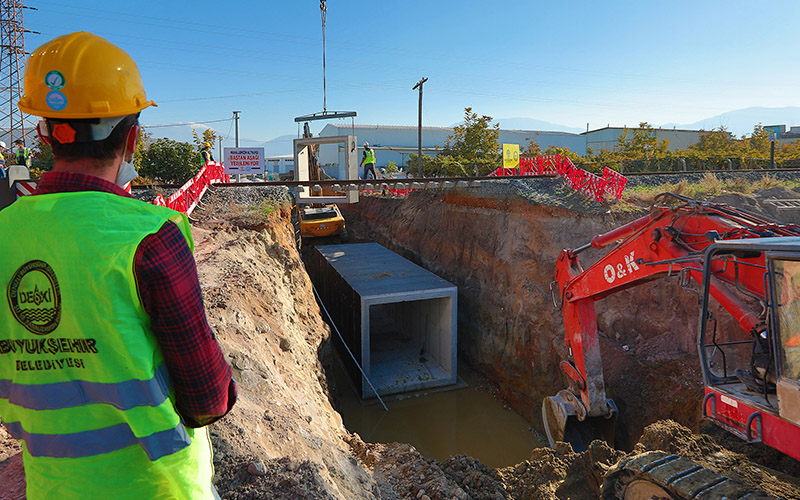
(436,181)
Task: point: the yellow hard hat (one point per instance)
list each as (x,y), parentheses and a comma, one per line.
(82,75)
(208,144)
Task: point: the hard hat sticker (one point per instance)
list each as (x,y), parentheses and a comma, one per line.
(35,297)
(56,100)
(54,80)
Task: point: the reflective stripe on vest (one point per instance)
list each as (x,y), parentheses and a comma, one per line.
(94,385)
(100,441)
(22,156)
(72,393)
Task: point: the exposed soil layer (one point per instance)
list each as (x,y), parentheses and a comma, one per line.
(499,244)
(500,250)
(284,440)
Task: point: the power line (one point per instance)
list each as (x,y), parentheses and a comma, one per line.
(383,50)
(179,124)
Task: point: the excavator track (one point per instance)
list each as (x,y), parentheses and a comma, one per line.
(657,475)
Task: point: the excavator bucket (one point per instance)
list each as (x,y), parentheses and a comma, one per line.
(565,419)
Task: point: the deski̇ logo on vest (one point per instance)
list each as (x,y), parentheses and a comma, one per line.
(34,297)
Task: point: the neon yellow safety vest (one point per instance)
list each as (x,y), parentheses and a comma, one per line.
(23,156)
(83,383)
(370,158)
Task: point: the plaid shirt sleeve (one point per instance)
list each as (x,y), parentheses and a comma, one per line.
(166,275)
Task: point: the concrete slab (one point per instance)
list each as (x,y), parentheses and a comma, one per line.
(398,319)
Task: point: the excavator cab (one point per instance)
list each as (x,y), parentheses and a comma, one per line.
(752,378)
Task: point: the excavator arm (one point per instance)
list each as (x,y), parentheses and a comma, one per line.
(669,241)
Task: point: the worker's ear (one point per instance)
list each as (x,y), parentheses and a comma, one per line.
(130,142)
(41,131)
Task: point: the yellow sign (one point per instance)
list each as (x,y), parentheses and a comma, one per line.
(510,155)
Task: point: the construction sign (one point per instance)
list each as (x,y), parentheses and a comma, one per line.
(510,155)
(244,161)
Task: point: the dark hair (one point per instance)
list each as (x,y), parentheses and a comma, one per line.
(105,149)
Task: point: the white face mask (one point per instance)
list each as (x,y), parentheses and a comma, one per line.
(126,172)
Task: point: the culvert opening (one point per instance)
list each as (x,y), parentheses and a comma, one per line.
(398,324)
(411,345)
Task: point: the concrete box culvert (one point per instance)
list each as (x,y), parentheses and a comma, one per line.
(397,319)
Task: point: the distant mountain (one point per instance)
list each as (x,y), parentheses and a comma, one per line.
(741,121)
(279,146)
(533,124)
(530,124)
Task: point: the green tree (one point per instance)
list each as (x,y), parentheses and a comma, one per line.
(169,161)
(209,135)
(533,149)
(556,150)
(642,143)
(716,142)
(429,165)
(41,156)
(788,151)
(472,144)
(141,148)
(757,144)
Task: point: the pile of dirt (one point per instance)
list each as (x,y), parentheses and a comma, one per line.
(561,473)
(671,437)
(12,475)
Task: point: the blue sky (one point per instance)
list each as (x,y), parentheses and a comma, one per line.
(571,63)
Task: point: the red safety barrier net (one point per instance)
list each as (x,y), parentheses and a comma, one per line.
(186,198)
(183,200)
(612,182)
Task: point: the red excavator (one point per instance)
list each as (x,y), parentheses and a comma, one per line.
(750,266)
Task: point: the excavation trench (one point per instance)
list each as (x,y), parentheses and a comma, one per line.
(499,249)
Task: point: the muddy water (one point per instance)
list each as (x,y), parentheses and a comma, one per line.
(441,424)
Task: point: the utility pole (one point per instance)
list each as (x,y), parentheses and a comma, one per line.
(236,120)
(13,123)
(419,127)
(772,150)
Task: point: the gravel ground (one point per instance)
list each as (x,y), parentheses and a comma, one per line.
(249,196)
(244,196)
(541,190)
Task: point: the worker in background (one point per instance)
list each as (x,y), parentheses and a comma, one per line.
(23,154)
(120,372)
(368,162)
(3,173)
(206,153)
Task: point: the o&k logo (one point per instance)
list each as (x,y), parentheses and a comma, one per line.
(622,270)
(35,298)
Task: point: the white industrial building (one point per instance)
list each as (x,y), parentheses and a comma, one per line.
(608,137)
(393,143)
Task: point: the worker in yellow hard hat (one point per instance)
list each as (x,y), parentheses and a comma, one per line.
(3,167)
(110,369)
(206,153)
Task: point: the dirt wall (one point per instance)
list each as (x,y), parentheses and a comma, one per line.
(500,251)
